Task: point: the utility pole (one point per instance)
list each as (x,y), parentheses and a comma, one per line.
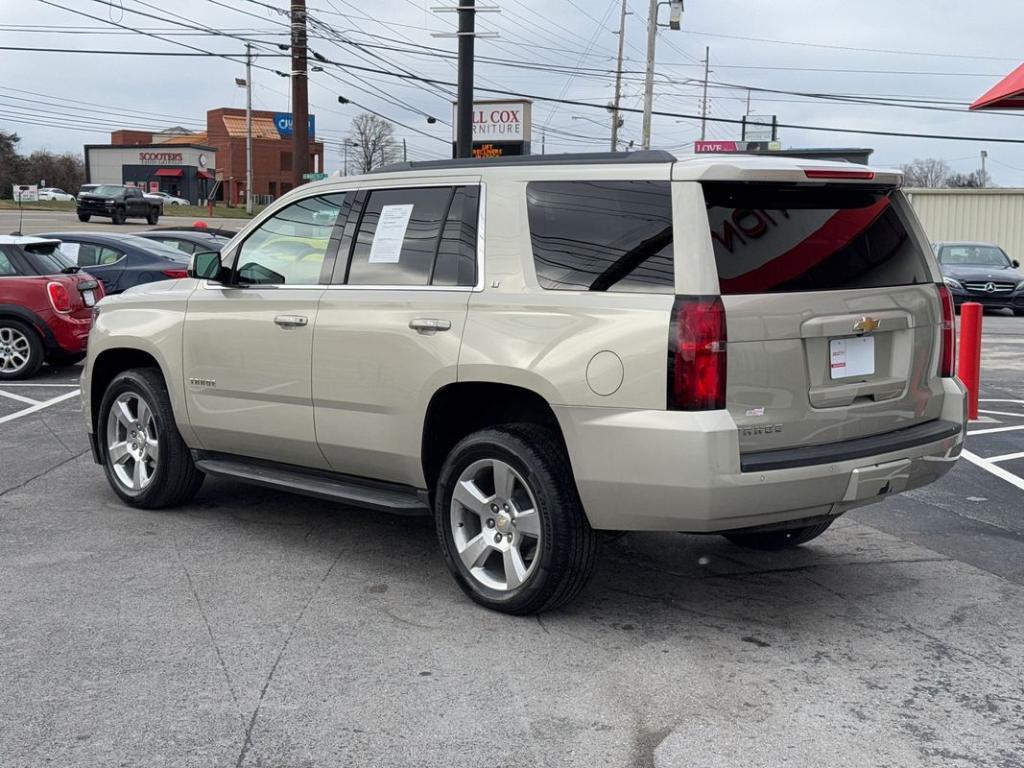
(704,101)
(652,36)
(248,128)
(405,152)
(464,121)
(984,157)
(618,78)
(300,93)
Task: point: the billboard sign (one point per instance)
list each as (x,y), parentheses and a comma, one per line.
(700,147)
(759,127)
(283,123)
(26,193)
(500,127)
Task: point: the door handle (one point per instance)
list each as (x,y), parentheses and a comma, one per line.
(291,321)
(428,325)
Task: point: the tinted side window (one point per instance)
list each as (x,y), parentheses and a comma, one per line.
(602,235)
(769,238)
(6,267)
(399,235)
(456,255)
(289,247)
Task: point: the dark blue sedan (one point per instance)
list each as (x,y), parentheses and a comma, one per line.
(122,261)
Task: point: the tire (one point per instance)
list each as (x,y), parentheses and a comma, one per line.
(173,478)
(1019,312)
(84,217)
(555,562)
(21,350)
(118,216)
(152,218)
(65,359)
(771,541)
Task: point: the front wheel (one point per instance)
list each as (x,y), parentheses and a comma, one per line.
(152,217)
(84,217)
(118,216)
(1019,312)
(781,539)
(510,522)
(146,462)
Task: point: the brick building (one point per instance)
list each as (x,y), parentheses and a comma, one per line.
(271,153)
(223,141)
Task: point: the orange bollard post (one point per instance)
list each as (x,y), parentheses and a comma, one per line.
(969,364)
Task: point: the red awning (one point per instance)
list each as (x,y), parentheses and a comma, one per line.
(170,172)
(204,174)
(1008,93)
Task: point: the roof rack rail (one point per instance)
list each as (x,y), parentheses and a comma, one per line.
(576,158)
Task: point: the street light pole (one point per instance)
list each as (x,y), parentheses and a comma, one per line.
(618,78)
(652,35)
(464,121)
(248,128)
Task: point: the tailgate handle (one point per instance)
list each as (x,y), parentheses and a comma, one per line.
(291,321)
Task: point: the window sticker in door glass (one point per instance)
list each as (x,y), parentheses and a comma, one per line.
(390,234)
(70,250)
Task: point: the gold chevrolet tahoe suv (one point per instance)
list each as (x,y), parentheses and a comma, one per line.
(537,350)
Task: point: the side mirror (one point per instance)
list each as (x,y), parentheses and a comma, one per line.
(204,265)
(1015,263)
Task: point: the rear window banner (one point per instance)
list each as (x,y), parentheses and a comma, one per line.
(774,240)
(390,234)
(70,250)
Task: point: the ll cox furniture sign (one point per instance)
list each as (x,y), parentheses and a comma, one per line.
(283,123)
(499,127)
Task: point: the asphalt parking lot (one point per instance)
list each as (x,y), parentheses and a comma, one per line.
(33,222)
(254,628)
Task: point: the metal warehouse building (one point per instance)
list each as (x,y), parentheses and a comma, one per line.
(993,215)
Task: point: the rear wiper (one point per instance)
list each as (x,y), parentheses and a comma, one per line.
(70,270)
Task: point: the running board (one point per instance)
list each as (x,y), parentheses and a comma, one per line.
(345,489)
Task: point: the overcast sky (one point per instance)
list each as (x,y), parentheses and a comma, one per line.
(943,52)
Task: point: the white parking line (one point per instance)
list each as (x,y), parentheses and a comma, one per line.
(1019,415)
(1006,457)
(999,472)
(33,386)
(998,400)
(40,406)
(19,398)
(995,429)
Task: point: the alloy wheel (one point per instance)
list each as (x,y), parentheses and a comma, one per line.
(133,445)
(15,350)
(495,525)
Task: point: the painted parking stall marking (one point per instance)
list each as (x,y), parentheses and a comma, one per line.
(1002,412)
(34,405)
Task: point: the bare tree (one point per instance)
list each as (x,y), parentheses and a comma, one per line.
(970,180)
(930,172)
(372,142)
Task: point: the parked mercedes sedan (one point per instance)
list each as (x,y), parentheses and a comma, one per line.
(981,272)
(121,261)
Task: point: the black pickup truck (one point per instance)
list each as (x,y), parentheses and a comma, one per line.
(119,204)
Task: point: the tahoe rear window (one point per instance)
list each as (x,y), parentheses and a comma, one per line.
(770,238)
(602,235)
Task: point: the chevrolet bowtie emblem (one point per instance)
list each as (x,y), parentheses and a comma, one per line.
(865,325)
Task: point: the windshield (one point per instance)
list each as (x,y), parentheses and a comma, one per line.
(47,258)
(107,189)
(152,246)
(973,255)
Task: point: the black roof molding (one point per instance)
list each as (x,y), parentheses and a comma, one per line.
(579,158)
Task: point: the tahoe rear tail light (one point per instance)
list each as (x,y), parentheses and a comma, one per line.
(175,273)
(60,299)
(947,354)
(696,354)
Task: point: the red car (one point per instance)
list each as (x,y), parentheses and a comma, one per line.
(45,306)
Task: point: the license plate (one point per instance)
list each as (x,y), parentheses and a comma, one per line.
(90,298)
(853,356)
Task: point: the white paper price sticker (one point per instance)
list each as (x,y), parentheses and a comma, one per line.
(852,357)
(390,234)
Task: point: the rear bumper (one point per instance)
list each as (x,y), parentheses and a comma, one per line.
(677,471)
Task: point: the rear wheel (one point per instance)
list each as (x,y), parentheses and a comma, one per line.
(510,522)
(782,539)
(1019,312)
(21,350)
(84,217)
(146,462)
(118,216)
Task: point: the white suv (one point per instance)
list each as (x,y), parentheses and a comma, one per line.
(536,350)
